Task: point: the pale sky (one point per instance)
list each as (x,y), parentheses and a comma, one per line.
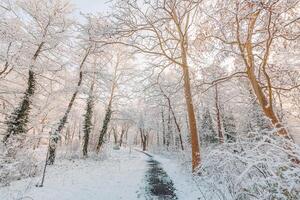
(93,6)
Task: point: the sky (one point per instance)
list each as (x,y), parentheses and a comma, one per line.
(93,6)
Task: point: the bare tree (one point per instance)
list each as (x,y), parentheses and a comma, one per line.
(46,30)
(55,135)
(119,60)
(161,29)
(171,110)
(253,30)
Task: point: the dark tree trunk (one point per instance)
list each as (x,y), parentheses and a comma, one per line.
(123,133)
(55,135)
(121,138)
(176,123)
(220,133)
(17,121)
(157,138)
(126,137)
(163,126)
(108,113)
(143,139)
(115,134)
(6,65)
(87,126)
(104,128)
(169,129)
(174,116)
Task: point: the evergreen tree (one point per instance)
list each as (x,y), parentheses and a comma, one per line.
(207,128)
(258,120)
(229,127)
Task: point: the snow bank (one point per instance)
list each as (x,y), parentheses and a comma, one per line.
(262,168)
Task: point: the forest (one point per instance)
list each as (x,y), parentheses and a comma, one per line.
(150,99)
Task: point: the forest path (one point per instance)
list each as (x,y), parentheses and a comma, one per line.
(122,174)
(159,184)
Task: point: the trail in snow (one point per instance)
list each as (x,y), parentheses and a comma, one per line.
(160,186)
(126,174)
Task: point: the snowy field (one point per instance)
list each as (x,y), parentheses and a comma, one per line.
(119,177)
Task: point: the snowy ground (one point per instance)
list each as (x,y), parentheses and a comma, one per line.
(121,176)
(118,177)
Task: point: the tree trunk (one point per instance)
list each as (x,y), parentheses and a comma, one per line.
(17,121)
(265,100)
(220,133)
(266,106)
(143,139)
(87,127)
(123,133)
(55,135)
(176,123)
(121,138)
(163,126)
(104,128)
(169,129)
(108,112)
(126,137)
(196,159)
(115,134)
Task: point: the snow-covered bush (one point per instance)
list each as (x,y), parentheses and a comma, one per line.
(16,165)
(260,167)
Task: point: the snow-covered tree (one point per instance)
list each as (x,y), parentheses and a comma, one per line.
(208,133)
